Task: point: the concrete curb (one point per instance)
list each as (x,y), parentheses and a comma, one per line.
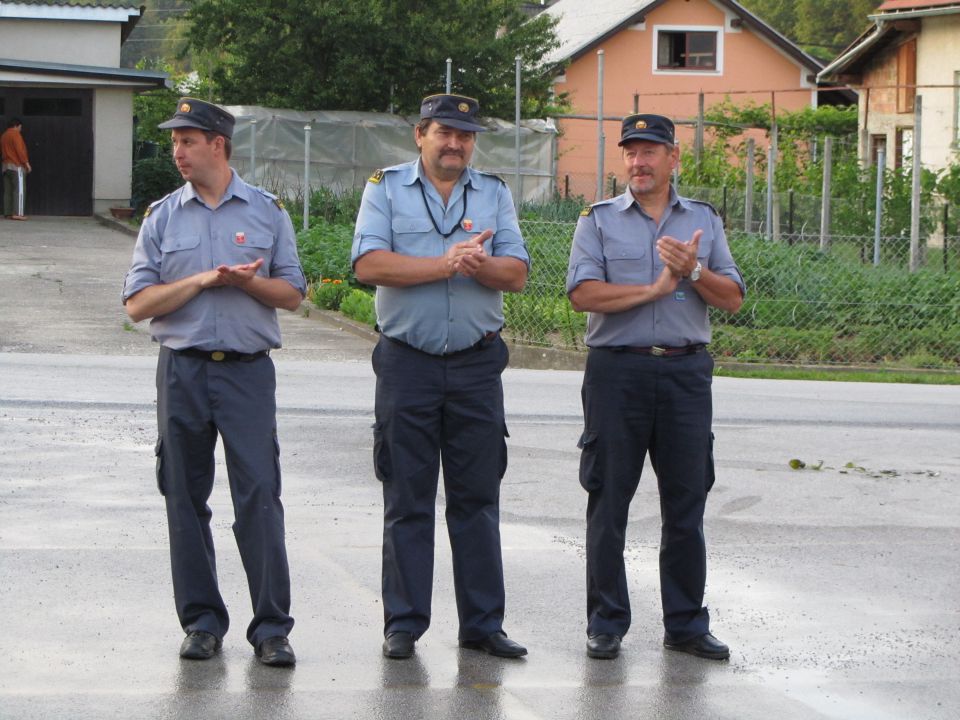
(111,222)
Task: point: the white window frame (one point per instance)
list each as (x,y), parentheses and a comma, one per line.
(716,29)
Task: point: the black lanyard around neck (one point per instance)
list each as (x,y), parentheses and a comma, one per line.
(426,205)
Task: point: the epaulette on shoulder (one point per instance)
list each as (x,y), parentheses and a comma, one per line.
(376,177)
(589,208)
(155,203)
(704,202)
(270,196)
(492,175)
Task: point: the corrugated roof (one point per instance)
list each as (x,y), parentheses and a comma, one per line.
(583,24)
(75,3)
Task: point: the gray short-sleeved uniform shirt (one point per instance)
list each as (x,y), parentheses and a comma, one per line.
(182,236)
(615,242)
(443,316)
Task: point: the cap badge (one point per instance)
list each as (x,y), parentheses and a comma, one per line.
(641,124)
(185,107)
(463,107)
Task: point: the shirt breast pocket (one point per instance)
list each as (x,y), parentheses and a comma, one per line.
(415,236)
(180,257)
(249,247)
(627,265)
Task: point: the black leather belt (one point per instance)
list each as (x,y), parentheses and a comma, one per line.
(478,345)
(222,355)
(661,350)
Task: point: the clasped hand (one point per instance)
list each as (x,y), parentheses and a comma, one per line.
(468,257)
(680,257)
(235,275)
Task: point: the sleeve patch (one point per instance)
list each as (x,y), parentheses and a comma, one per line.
(376,177)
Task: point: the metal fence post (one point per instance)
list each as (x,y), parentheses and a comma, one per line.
(915,187)
(253,151)
(519,195)
(773,209)
(600,137)
(698,137)
(946,221)
(306,176)
(748,200)
(790,215)
(878,215)
(449,74)
(769,209)
(825,194)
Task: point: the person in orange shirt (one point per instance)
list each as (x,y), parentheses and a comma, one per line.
(16,165)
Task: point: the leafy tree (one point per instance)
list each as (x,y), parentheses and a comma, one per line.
(821,27)
(155,106)
(371,54)
(159,35)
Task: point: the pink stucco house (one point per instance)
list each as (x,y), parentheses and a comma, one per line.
(658,55)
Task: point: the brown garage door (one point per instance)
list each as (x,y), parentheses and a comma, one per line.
(58,130)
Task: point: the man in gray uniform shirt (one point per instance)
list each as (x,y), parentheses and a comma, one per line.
(646,265)
(441,242)
(213,261)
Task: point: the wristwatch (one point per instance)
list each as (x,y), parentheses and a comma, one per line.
(695,275)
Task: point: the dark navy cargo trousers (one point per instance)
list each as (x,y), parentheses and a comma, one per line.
(431,411)
(198,399)
(635,405)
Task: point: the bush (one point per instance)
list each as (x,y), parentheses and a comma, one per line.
(328,206)
(329,293)
(359,305)
(153,178)
(325,251)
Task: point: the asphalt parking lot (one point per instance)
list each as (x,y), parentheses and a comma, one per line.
(836,587)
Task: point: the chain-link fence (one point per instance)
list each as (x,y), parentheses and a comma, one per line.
(805,304)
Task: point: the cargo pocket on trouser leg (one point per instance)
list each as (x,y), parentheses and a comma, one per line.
(589,461)
(276,462)
(381,454)
(711,475)
(503,453)
(158,451)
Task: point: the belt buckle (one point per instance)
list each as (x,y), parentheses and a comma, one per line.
(217,356)
(658,351)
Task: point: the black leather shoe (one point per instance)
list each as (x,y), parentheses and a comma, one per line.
(705,646)
(276,651)
(497,644)
(605,647)
(398,645)
(200,645)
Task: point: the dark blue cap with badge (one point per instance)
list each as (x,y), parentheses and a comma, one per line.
(457,111)
(193,113)
(652,128)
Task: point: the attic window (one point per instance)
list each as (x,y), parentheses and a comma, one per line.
(680,50)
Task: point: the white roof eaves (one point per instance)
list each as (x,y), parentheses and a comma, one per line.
(33,11)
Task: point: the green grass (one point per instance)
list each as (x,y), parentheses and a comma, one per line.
(769,372)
